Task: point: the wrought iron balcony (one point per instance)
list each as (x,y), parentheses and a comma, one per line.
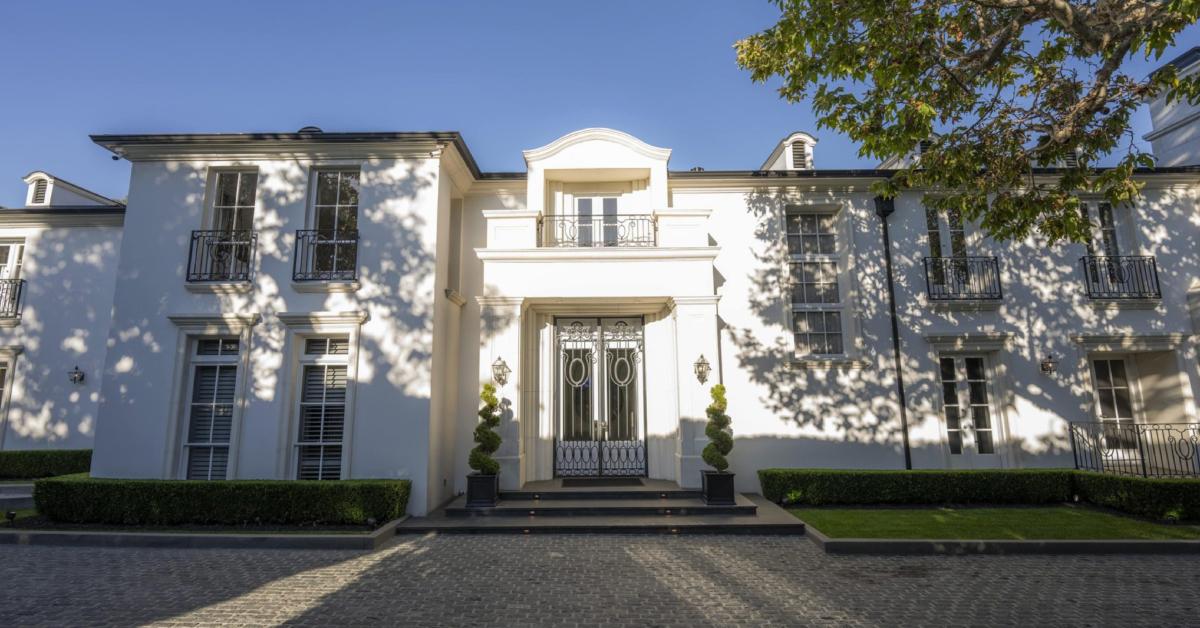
(324,255)
(963,279)
(632,230)
(1155,450)
(221,256)
(11,291)
(1123,277)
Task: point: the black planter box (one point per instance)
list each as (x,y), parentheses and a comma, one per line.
(717,487)
(482,490)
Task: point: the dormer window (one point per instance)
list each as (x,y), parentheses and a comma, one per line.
(923,146)
(40,187)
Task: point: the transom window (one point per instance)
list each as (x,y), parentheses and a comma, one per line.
(322,420)
(211,397)
(816,266)
(233,205)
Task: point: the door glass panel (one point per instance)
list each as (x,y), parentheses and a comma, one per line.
(950,407)
(612,234)
(584,218)
(599,398)
(966,403)
(1114,403)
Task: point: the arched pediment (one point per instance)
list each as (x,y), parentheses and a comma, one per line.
(596,148)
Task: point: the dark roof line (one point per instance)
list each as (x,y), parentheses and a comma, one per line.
(877,173)
(450,137)
(1185,59)
(63,210)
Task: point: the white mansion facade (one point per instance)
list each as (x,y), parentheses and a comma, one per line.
(327,305)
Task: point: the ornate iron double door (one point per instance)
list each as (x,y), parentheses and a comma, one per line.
(600,416)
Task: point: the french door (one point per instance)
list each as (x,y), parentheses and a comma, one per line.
(1114,402)
(967,409)
(599,397)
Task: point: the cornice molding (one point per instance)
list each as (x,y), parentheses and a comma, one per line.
(310,319)
(1130,342)
(614,254)
(596,134)
(986,341)
(202,322)
(499,301)
(48,219)
(491,214)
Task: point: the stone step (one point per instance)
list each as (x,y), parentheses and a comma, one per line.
(678,507)
(768,519)
(15,502)
(16,488)
(607,494)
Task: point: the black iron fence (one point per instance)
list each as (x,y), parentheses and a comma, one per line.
(323,255)
(963,278)
(598,231)
(1122,277)
(1153,450)
(221,255)
(11,291)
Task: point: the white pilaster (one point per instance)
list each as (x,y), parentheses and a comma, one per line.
(696,335)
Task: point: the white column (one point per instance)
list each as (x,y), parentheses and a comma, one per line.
(695,335)
(501,321)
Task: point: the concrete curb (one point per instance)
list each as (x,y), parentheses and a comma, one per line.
(205,540)
(932,547)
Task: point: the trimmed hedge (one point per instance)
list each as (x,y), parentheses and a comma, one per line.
(820,487)
(83,499)
(43,463)
(1172,499)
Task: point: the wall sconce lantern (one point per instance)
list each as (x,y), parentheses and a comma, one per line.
(1049,364)
(76,376)
(500,371)
(702,369)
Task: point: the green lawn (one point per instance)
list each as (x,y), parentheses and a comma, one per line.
(1046,522)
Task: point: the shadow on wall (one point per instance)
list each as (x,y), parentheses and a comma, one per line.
(396,264)
(1044,304)
(64,295)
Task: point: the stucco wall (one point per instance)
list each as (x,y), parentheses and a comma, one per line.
(398,218)
(69,274)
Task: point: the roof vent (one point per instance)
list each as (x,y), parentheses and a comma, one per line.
(39,192)
(310,130)
(923,146)
(799,156)
(697,169)
(1071,160)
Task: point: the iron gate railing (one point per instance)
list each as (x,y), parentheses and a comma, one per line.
(1152,450)
(10,297)
(1122,277)
(221,255)
(325,255)
(598,231)
(963,278)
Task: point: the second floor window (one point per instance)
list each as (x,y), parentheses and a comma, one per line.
(947,238)
(816,294)
(233,205)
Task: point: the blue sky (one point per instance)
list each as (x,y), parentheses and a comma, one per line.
(508,75)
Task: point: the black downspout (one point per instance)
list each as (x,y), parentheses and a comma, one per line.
(884,208)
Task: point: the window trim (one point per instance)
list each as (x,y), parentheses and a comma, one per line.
(1136,402)
(847,289)
(314,175)
(191,327)
(962,387)
(1124,223)
(9,355)
(300,327)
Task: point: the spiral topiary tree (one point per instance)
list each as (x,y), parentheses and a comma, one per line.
(720,437)
(486,439)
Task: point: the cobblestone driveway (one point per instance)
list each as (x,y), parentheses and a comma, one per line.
(586,580)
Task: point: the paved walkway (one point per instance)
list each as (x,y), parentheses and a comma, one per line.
(587,580)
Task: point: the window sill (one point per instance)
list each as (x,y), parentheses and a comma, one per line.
(1126,304)
(326,286)
(219,287)
(829,363)
(8,322)
(967,305)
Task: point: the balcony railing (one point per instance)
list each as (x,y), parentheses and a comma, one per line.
(11,291)
(1124,277)
(221,256)
(963,279)
(1154,450)
(323,255)
(622,230)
